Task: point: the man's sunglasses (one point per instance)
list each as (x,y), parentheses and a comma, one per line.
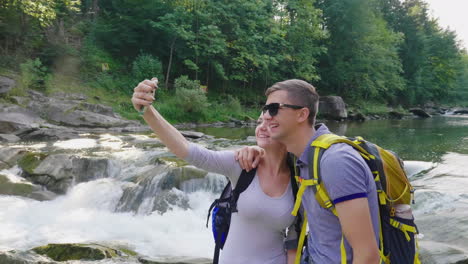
(274,107)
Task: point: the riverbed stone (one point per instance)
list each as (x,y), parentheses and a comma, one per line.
(48,134)
(30,161)
(10,156)
(10,138)
(58,172)
(332,107)
(395,115)
(176,176)
(461,111)
(419,112)
(66,252)
(24,189)
(192,134)
(6,84)
(174,260)
(15,119)
(24,257)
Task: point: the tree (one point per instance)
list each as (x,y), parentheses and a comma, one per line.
(362,60)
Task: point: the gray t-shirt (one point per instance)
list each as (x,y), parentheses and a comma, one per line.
(257,231)
(346,176)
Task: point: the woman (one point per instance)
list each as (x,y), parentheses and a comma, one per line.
(257,231)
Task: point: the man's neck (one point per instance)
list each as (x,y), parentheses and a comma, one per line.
(297,142)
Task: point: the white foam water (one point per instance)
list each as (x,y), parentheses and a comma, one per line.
(86,214)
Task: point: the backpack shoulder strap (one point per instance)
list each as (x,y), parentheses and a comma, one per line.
(242,184)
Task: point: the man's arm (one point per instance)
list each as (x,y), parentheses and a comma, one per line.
(249,156)
(356,224)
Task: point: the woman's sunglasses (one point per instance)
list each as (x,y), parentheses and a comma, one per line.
(274,107)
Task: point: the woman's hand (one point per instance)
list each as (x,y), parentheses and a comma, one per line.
(143,94)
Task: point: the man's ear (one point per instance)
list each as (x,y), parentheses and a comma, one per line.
(303,115)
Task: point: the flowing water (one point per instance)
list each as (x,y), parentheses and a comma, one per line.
(130,208)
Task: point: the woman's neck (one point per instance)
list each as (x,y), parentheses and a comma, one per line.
(274,162)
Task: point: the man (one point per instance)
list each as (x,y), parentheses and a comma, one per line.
(290,113)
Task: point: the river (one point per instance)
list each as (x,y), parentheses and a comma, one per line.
(121,210)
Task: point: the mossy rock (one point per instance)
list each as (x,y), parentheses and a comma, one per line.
(176,176)
(65,252)
(175,260)
(30,161)
(172,161)
(11,188)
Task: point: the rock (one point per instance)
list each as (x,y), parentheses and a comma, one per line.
(235,121)
(66,252)
(6,84)
(27,257)
(357,117)
(395,115)
(9,138)
(192,134)
(146,190)
(176,176)
(58,172)
(10,156)
(24,189)
(73,111)
(419,112)
(70,96)
(171,161)
(30,161)
(332,107)
(164,200)
(463,111)
(174,260)
(15,119)
(46,134)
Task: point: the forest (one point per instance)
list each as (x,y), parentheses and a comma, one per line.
(215,58)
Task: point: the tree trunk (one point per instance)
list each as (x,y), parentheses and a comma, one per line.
(95,9)
(170,63)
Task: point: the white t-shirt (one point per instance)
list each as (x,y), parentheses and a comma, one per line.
(257,234)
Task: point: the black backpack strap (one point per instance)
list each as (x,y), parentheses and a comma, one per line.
(244,181)
(216,255)
(295,189)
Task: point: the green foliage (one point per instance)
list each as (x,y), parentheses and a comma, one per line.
(95,60)
(234,105)
(362,60)
(146,66)
(33,74)
(192,101)
(385,51)
(183,82)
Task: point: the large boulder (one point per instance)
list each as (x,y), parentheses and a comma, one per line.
(46,134)
(90,252)
(58,172)
(6,84)
(15,120)
(461,111)
(419,112)
(174,260)
(10,156)
(24,257)
(9,138)
(74,112)
(332,107)
(24,189)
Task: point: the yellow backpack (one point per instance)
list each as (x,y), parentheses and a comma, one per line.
(398,231)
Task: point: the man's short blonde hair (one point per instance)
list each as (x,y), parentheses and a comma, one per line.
(299,93)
